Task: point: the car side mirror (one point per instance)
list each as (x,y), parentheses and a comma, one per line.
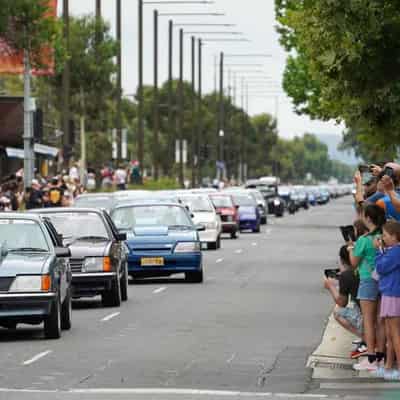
(63,252)
(200,228)
(121,237)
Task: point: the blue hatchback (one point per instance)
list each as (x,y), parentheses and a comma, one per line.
(162,240)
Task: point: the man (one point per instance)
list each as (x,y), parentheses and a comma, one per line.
(120,177)
(55,193)
(344,292)
(34,196)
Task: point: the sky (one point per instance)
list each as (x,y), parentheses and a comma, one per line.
(254,18)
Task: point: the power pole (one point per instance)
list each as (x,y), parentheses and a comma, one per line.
(199,126)
(171,131)
(140,88)
(119,81)
(66,79)
(221,114)
(156,100)
(181,111)
(194,156)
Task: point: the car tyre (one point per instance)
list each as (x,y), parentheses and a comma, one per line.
(219,242)
(213,245)
(264,221)
(112,297)
(235,235)
(194,277)
(124,286)
(66,312)
(257,230)
(52,323)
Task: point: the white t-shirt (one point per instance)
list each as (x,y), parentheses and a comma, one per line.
(120,176)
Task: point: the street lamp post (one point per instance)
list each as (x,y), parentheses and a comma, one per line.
(181,110)
(119,81)
(221,113)
(140,88)
(156,100)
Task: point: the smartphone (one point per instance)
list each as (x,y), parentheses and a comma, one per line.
(332,273)
(348,233)
(387,171)
(363,168)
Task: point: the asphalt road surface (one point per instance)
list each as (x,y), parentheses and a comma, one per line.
(245,333)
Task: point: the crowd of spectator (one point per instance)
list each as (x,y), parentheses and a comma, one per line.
(60,190)
(366,288)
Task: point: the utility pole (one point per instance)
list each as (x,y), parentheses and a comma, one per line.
(119,81)
(171,131)
(181,111)
(66,79)
(156,100)
(221,114)
(199,126)
(140,88)
(98,9)
(194,158)
(29,156)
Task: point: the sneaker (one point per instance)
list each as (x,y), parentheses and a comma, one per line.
(392,375)
(360,351)
(365,365)
(379,372)
(357,342)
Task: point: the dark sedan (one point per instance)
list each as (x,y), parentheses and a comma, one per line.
(98,253)
(35,276)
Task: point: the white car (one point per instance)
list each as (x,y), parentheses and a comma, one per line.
(203,212)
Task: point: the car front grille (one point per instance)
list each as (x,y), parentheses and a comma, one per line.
(5,284)
(76,264)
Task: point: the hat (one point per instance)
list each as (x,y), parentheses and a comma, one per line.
(35,182)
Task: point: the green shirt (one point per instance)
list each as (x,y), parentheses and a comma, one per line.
(365,250)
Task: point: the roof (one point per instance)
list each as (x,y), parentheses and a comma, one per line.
(140,203)
(52,210)
(19,215)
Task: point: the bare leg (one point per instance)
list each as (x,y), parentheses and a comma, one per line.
(394,324)
(368,309)
(389,349)
(380,332)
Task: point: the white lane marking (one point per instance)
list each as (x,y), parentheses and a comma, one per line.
(356,386)
(196,392)
(111,316)
(159,290)
(254,244)
(231,358)
(37,357)
(219,260)
(239,251)
(268,231)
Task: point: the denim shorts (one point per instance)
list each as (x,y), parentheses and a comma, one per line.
(368,290)
(352,315)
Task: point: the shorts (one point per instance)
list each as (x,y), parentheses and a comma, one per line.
(390,307)
(352,315)
(368,290)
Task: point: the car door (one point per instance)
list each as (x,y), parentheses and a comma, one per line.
(62,264)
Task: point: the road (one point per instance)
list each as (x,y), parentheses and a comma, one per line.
(245,333)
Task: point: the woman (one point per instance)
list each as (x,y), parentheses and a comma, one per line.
(362,257)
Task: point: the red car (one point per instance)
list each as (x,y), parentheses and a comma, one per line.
(225,207)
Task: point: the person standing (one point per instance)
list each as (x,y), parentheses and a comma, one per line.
(34,196)
(120,177)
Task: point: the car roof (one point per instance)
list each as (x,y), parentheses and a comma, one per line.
(20,215)
(89,195)
(139,203)
(53,210)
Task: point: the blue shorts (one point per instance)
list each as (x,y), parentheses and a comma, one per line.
(368,290)
(352,315)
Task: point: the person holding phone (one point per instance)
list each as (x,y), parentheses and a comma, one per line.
(362,258)
(344,291)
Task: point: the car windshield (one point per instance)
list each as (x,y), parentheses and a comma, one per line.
(127,218)
(244,200)
(197,204)
(95,201)
(222,201)
(22,235)
(79,225)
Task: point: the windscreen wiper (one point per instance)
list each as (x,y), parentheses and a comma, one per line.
(33,249)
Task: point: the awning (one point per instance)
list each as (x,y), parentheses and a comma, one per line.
(38,148)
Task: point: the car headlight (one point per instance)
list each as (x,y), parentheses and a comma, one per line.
(96,264)
(31,283)
(187,247)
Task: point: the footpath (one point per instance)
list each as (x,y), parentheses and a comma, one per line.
(332,366)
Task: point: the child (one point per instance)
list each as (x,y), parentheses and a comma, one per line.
(388,269)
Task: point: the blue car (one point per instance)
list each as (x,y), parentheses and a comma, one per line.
(248,210)
(162,240)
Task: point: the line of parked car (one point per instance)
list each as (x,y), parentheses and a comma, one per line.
(48,257)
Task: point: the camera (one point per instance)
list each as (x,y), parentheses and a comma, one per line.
(348,233)
(387,171)
(363,168)
(332,273)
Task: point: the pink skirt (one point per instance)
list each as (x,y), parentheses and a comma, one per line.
(390,307)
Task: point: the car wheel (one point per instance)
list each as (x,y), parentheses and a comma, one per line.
(66,311)
(112,297)
(52,323)
(194,277)
(213,245)
(264,221)
(257,230)
(219,242)
(124,286)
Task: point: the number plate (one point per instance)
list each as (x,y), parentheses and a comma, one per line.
(152,262)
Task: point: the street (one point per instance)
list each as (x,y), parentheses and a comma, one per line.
(247,330)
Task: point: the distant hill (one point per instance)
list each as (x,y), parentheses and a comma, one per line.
(333,141)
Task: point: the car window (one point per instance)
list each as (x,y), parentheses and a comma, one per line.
(157,215)
(20,234)
(222,201)
(74,225)
(197,204)
(244,200)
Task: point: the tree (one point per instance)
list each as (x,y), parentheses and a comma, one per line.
(344,63)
